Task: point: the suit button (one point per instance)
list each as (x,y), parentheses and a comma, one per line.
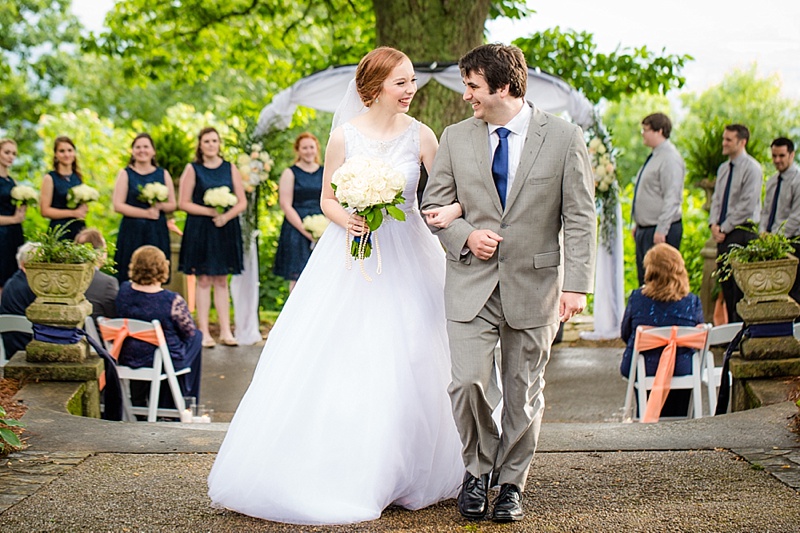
(503,225)
(502,258)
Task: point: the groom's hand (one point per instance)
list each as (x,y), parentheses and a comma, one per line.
(483,243)
(571,304)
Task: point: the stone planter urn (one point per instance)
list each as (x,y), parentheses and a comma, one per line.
(766,286)
(766,281)
(60,302)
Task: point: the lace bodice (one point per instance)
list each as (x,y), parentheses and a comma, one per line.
(402,152)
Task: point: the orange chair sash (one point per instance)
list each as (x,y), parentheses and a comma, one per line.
(666,364)
(117,335)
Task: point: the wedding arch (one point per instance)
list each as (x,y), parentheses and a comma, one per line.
(324,90)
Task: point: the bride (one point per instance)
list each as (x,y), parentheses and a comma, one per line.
(348,411)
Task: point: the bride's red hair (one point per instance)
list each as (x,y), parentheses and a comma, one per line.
(373,69)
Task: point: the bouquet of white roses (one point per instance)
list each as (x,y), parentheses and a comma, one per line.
(81,194)
(24,195)
(370,187)
(153,193)
(315,225)
(254,167)
(220,198)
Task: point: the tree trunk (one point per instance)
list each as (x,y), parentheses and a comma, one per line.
(430,31)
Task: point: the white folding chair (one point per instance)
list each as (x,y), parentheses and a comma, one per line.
(640,383)
(12,323)
(161,370)
(796,330)
(91,329)
(711,375)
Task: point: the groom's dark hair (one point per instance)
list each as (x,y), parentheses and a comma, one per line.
(500,65)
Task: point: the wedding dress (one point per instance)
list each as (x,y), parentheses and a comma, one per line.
(348,410)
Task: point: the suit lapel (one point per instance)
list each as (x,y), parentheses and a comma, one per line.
(480,147)
(530,151)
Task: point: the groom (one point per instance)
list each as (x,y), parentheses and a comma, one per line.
(523,179)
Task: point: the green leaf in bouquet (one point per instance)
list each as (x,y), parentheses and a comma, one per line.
(395,213)
(377,220)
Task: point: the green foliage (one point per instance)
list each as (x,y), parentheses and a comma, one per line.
(704,152)
(623,118)
(8,439)
(34,40)
(744,98)
(695,235)
(765,247)
(190,42)
(53,248)
(573,56)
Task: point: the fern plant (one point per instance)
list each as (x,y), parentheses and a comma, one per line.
(53,248)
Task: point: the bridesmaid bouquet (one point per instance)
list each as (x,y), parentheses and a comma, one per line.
(370,187)
(153,193)
(81,194)
(24,195)
(220,198)
(315,225)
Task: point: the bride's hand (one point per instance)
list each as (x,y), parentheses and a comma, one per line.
(441,217)
(356,225)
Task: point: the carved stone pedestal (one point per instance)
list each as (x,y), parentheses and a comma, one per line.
(769,312)
(60,302)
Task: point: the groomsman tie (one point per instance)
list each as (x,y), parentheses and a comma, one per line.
(500,165)
(636,188)
(724,211)
(774,209)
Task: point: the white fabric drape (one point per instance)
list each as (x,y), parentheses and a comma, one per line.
(244,291)
(325,89)
(609,287)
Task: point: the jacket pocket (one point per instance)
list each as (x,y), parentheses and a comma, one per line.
(547,259)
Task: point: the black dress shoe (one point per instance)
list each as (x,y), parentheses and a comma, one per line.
(473,500)
(508,505)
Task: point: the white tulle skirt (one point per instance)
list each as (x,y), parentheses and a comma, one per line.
(348,410)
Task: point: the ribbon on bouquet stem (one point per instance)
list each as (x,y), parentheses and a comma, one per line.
(362,246)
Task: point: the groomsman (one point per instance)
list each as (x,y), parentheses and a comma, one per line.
(658,194)
(781,211)
(736,199)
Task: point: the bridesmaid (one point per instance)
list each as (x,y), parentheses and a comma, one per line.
(212,242)
(65,175)
(299,192)
(11,216)
(141,223)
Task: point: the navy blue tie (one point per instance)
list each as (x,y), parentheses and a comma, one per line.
(636,188)
(774,209)
(500,165)
(724,211)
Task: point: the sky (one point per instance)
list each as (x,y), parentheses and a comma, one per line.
(720,34)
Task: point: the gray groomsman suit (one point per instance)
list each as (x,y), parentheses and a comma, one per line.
(515,294)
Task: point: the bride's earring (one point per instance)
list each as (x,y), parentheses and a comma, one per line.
(377,99)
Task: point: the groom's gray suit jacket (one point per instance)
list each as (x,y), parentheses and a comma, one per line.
(548,225)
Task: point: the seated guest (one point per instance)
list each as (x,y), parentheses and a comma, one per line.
(16,298)
(663,300)
(143,298)
(102,293)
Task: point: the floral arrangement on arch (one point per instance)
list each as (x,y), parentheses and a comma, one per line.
(254,167)
(606,188)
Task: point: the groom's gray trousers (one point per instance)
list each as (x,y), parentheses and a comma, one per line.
(474,395)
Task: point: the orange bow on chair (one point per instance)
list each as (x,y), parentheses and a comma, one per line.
(117,335)
(666,364)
